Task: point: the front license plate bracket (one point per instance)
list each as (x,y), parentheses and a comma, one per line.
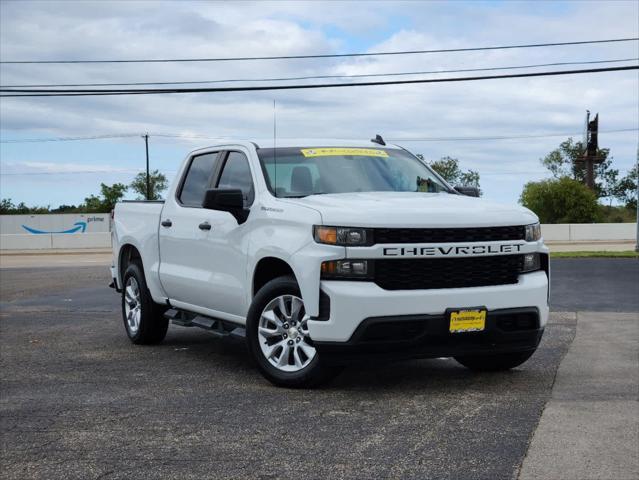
(463,320)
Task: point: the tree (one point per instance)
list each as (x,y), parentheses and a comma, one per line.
(93,204)
(626,191)
(608,183)
(65,209)
(110,196)
(448,168)
(7,207)
(158,183)
(562,200)
(562,162)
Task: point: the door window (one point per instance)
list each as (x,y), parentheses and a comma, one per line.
(237,174)
(198,179)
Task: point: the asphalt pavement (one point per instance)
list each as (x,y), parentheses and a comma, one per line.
(595,284)
(78,400)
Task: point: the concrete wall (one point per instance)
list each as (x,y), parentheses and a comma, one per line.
(62,231)
(55,223)
(55,241)
(583,232)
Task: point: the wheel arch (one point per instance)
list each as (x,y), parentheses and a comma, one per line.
(128,253)
(267,269)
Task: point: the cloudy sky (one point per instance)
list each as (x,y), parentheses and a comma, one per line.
(52,172)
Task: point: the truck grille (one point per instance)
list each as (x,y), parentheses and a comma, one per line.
(448,235)
(423,274)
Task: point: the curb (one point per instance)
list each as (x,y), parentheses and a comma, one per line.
(83,251)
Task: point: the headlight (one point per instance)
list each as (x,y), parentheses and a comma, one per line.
(533,232)
(531,262)
(344,236)
(347,270)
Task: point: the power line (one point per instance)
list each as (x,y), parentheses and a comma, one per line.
(67,139)
(95,137)
(423,139)
(104,92)
(318,77)
(398,139)
(329,55)
(74,172)
(129,172)
(502,137)
(83,172)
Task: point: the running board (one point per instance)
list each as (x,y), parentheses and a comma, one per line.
(216,326)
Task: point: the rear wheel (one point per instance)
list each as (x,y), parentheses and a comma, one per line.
(278,337)
(495,362)
(144,319)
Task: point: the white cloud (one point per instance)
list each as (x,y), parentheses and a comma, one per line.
(499,107)
(31,168)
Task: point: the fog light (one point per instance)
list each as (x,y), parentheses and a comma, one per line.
(531,262)
(359,267)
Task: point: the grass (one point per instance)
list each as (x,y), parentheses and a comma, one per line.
(600,254)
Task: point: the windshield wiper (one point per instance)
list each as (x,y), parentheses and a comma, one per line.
(303,196)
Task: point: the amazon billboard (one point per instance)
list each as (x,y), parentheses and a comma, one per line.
(62,223)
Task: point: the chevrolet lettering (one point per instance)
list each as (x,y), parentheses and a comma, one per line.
(322,253)
(456,250)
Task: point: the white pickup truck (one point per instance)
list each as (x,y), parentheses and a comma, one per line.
(324,253)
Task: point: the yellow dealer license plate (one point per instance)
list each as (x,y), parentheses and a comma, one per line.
(469,320)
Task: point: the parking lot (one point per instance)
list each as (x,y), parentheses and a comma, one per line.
(80,401)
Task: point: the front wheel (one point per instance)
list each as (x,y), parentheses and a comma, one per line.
(494,362)
(278,337)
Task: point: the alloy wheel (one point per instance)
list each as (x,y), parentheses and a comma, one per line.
(132,305)
(283,334)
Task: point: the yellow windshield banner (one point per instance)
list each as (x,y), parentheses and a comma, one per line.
(332,152)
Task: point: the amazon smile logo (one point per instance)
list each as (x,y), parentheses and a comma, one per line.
(78,227)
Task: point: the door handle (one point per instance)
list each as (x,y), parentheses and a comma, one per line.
(204,226)
(166,223)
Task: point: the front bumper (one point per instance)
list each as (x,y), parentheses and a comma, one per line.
(428,336)
(353,302)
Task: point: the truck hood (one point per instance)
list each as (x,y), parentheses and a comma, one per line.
(413,209)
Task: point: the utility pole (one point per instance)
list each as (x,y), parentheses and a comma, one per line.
(637,167)
(591,157)
(148,178)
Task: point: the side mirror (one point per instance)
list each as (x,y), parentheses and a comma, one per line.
(468,191)
(226,200)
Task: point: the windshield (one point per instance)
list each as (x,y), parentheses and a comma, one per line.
(299,171)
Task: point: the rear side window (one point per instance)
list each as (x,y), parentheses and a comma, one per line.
(198,179)
(237,174)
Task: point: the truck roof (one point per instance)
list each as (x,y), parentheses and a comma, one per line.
(301,142)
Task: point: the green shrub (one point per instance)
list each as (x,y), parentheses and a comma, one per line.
(562,200)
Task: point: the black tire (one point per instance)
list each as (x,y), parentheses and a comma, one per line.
(313,374)
(152,323)
(494,363)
